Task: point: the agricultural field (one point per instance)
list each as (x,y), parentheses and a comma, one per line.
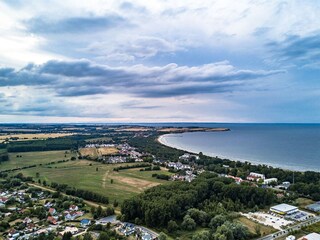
(99,178)
(23,159)
(94,153)
(31,136)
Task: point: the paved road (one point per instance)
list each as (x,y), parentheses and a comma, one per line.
(293,228)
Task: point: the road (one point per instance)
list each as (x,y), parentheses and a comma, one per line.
(290,229)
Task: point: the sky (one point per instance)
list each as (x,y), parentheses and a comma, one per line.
(160,61)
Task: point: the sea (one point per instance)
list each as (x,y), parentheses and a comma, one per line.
(288,146)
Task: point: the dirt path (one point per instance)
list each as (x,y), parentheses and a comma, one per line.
(104,179)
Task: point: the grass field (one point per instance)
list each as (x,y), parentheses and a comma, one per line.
(31,158)
(80,174)
(251,225)
(32,136)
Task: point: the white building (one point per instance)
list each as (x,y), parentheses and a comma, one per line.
(270,180)
(255,176)
(311,236)
(291,237)
(284,209)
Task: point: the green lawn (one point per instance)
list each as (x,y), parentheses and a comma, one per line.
(31,158)
(80,174)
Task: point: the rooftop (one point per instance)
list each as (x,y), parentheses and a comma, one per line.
(284,207)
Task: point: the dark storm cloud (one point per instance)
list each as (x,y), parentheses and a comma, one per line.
(80,78)
(300,50)
(74,24)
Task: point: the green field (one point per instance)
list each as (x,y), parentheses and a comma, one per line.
(31,158)
(80,174)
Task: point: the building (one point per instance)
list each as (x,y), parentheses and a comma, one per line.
(284,209)
(85,222)
(291,237)
(270,180)
(311,236)
(315,207)
(255,177)
(72,230)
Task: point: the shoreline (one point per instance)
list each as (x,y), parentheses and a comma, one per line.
(162,141)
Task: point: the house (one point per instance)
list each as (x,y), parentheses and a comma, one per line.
(27,220)
(52,211)
(85,222)
(236,179)
(270,180)
(255,177)
(3,200)
(72,230)
(73,208)
(48,205)
(72,215)
(52,220)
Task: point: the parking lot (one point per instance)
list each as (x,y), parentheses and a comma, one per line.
(268,219)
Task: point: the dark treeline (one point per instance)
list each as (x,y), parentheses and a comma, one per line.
(161,176)
(151,145)
(3,156)
(61,143)
(85,194)
(159,205)
(140,165)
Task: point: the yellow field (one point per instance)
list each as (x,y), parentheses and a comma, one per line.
(32,136)
(97,152)
(107,151)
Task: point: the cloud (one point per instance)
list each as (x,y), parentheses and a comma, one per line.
(140,47)
(44,25)
(300,50)
(82,77)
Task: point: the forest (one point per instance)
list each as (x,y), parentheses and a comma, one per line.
(183,205)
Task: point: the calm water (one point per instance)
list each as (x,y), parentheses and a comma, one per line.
(291,146)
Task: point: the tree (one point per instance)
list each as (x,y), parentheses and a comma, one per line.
(224,231)
(188,223)
(205,235)
(115,203)
(103,236)
(87,236)
(99,211)
(217,221)
(162,236)
(172,226)
(67,236)
(109,211)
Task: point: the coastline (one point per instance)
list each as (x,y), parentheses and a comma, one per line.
(161,140)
